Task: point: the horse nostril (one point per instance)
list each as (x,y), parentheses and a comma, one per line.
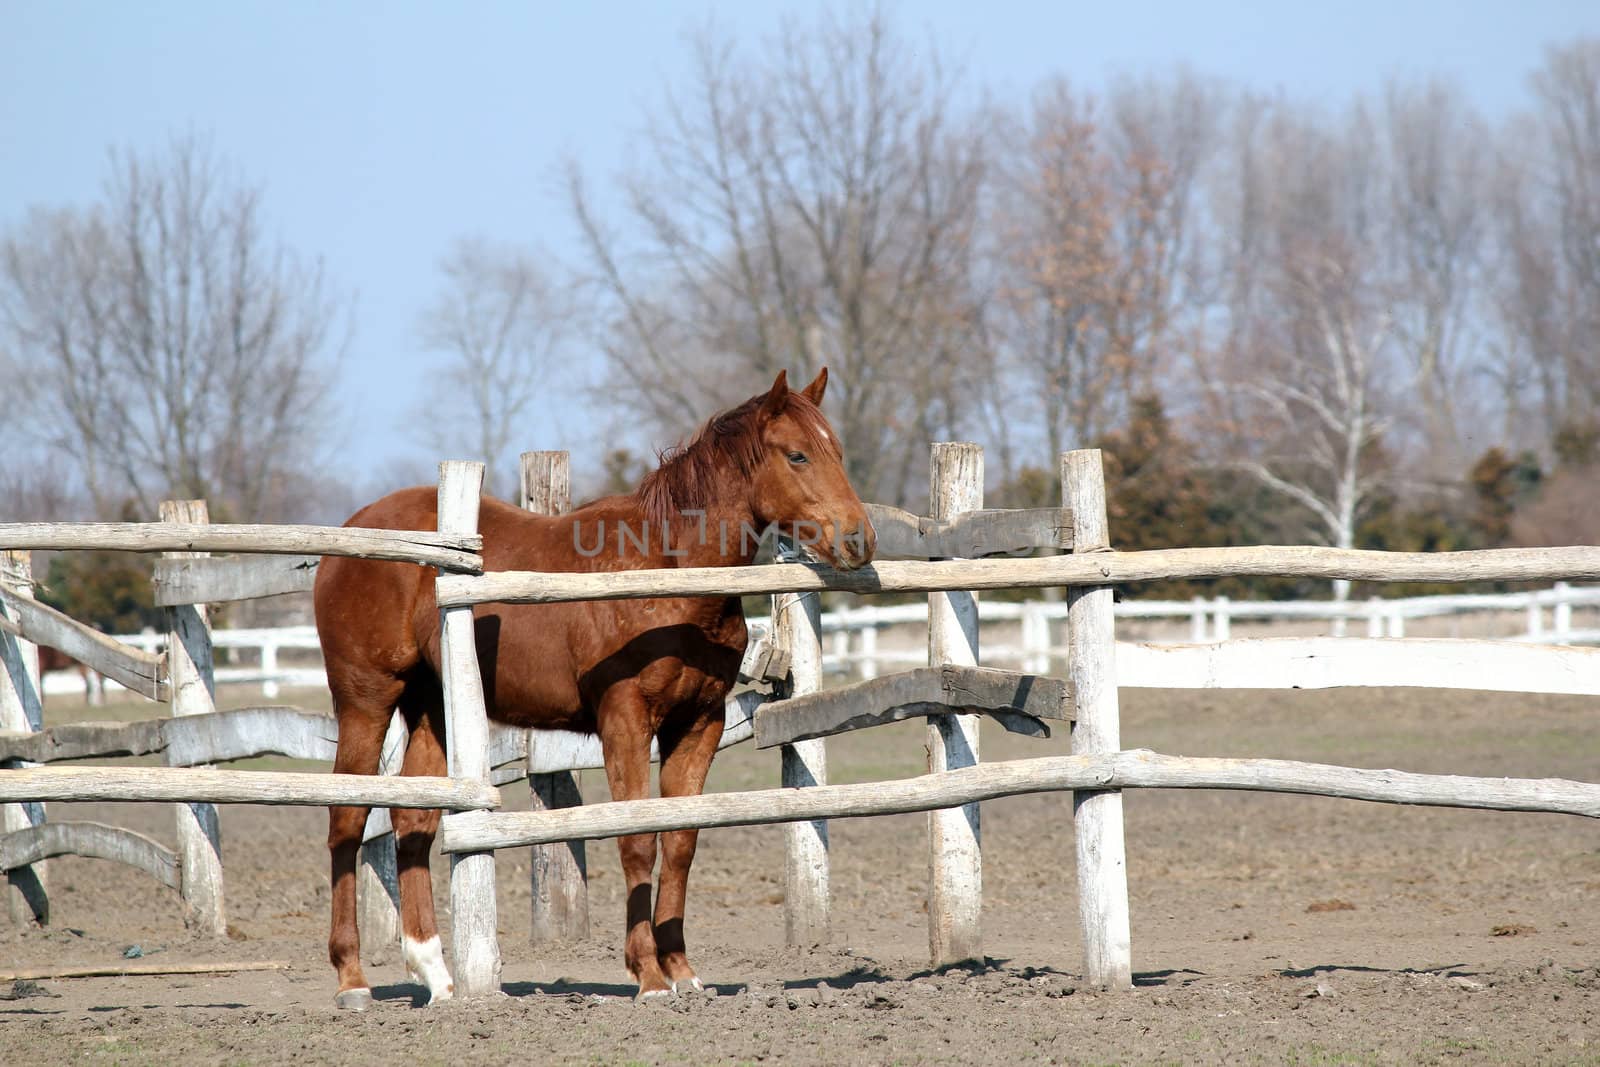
(861,546)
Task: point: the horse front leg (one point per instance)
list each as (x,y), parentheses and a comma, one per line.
(624,727)
(685,759)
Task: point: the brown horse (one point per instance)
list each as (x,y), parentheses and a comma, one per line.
(628,670)
(53,659)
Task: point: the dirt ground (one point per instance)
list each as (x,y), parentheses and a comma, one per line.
(1266,929)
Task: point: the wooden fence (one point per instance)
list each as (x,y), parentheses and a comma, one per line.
(197,736)
(183,676)
(1095,772)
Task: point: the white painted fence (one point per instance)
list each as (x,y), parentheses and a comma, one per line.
(868,640)
(266,642)
(856,636)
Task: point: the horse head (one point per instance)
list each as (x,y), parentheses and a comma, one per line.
(799,484)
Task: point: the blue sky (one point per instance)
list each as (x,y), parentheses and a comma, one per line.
(380,133)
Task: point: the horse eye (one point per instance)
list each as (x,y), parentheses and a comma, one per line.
(797,457)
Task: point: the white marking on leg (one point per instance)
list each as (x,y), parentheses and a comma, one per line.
(425,963)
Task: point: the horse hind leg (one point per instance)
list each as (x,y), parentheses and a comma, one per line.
(94,687)
(361,732)
(414,830)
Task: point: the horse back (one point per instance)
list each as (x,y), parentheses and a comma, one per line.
(543,664)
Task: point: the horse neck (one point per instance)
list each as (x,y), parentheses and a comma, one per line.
(717,532)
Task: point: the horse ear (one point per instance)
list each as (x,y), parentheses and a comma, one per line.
(814,391)
(777,396)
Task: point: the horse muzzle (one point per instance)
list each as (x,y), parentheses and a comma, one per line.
(855,547)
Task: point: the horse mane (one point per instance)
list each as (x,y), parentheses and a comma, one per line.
(690,474)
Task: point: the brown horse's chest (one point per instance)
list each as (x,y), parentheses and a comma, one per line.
(668,686)
(681,652)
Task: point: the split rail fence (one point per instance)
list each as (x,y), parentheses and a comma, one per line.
(952,692)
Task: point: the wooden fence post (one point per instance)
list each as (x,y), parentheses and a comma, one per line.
(1092,669)
(474,944)
(193,687)
(797,627)
(559,872)
(378,873)
(21,708)
(955,835)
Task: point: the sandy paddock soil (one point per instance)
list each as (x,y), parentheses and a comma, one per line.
(1266,929)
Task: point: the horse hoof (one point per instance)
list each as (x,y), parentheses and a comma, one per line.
(693,985)
(447,993)
(654,996)
(353,999)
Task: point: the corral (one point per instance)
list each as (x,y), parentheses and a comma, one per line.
(1092,770)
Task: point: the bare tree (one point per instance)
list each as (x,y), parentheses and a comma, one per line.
(165,345)
(816,206)
(1093,212)
(501,324)
(1304,380)
(35,486)
(1546,295)
(1437,182)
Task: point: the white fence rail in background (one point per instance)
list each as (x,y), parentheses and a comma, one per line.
(267,671)
(856,636)
(859,640)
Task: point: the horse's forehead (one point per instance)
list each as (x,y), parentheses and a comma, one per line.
(813,423)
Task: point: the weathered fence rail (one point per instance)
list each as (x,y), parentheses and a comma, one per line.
(94,840)
(129,667)
(196,785)
(246,733)
(1096,569)
(451,551)
(1137,768)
